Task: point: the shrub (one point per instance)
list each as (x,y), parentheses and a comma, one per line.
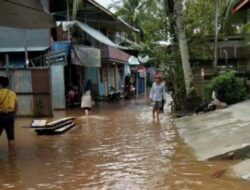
(234,88)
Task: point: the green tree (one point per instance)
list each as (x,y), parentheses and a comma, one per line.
(200,26)
(238,22)
(134,11)
(160,25)
(234,88)
(188,77)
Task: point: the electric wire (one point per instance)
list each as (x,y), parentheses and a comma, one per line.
(86,20)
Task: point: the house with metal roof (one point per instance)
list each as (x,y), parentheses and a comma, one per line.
(21,44)
(97,51)
(89,47)
(23,37)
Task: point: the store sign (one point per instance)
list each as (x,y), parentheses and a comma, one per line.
(58,58)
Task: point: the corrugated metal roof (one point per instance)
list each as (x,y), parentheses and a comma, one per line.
(5,50)
(25,14)
(243,4)
(92,32)
(15,40)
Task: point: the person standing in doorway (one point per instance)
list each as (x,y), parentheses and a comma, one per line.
(86,101)
(157,95)
(8,108)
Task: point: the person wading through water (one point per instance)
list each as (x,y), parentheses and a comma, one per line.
(86,102)
(157,95)
(8,108)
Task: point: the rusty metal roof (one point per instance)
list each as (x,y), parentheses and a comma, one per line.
(242,5)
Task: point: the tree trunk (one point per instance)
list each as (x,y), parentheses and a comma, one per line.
(188,77)
(215,62)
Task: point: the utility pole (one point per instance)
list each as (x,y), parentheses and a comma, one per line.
(7,64)
(26,50)
(68,19)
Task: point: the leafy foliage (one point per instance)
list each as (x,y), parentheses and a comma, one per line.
(234,88)
(234,19)
(134,12)
(158,23)
(246,33)
(200,21)
(236,23)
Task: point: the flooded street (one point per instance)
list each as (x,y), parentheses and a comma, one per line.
(121,148)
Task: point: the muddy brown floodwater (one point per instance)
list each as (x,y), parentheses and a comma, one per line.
(121,148)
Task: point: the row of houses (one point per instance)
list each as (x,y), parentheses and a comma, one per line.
(43,64)
(233,53)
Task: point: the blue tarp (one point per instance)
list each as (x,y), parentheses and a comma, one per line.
(61,46)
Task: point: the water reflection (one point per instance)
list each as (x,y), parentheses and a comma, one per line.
(12,177)
(120,147)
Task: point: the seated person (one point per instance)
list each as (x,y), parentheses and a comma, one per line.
(217,102)
(219,97)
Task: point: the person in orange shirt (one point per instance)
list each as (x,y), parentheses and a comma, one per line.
(8,108)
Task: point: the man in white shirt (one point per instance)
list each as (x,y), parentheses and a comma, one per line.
(157,95)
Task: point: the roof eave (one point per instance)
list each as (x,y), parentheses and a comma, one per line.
(97,5)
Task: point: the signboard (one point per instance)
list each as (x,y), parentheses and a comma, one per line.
(58,58)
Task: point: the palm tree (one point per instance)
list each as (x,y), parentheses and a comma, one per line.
(132,11)
(188,77)
(129,11)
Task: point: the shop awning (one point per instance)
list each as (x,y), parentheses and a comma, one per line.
(92,32)
(27,14)
(86,56)
(133,60)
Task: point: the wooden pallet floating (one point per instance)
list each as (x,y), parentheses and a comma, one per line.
(56,127)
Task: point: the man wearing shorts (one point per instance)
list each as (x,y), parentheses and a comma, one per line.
(157,95)
(8,107)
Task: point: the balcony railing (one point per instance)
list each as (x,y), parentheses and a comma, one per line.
(113,54)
